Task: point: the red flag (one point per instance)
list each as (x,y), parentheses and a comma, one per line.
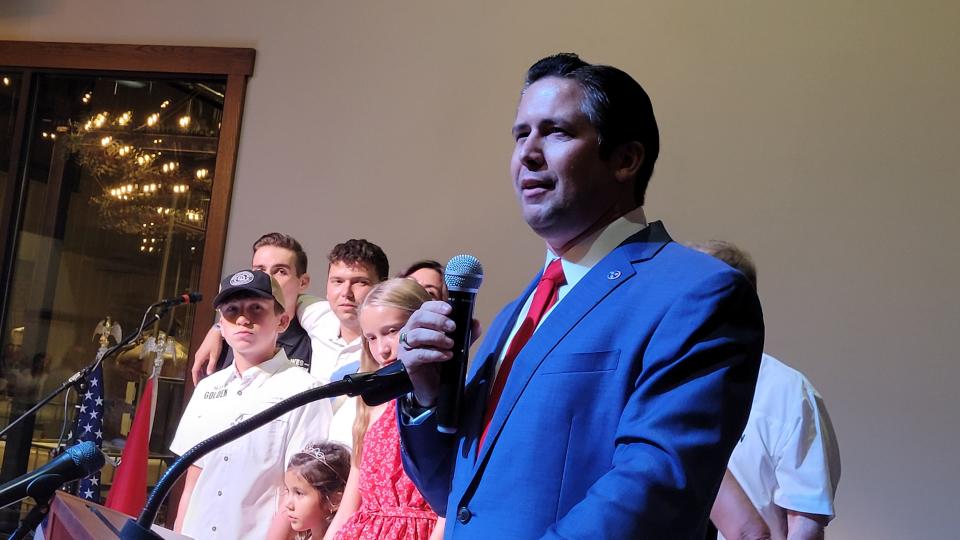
(129,491)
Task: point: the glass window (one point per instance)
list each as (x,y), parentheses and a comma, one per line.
(116,170)
(116,189)
(9,102)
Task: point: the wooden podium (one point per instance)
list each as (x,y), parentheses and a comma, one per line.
(73,518)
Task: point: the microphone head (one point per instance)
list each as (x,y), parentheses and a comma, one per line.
(463,273)
(87,456)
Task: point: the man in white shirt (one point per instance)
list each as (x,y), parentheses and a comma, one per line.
(232,492)
(783,474)
(355,266)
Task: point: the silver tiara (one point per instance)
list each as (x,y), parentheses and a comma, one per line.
(317,454)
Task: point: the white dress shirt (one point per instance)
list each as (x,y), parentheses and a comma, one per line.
(579,260)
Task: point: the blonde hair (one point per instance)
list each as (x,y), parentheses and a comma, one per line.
(399,293)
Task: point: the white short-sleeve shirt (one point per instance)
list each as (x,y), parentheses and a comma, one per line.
(787,458)
(237,492)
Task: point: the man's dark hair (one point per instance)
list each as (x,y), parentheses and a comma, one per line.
(355,252)
(284,241)
(614,103)
(729,253)
(420,265)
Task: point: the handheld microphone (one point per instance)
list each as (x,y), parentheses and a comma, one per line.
(74,463)
(463,277)
(185,298)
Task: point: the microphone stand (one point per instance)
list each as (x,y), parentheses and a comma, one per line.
(375,387)
(33,518)
(80,377)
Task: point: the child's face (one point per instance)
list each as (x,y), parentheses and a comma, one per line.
(250,325)
(381,328)
(306,508)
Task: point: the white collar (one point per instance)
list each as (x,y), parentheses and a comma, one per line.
(585,254)
(263,370)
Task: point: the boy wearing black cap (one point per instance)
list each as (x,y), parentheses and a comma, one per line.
(232,492)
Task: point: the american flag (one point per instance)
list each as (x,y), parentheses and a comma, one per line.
(89,427)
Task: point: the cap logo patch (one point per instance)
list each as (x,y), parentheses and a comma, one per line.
(241,278)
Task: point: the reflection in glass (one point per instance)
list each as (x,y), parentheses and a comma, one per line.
(9,101)
(116,190)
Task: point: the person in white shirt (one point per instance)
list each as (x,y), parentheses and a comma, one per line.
(283,258)
(355,266)
(783,474)
(233,491)
(429,274)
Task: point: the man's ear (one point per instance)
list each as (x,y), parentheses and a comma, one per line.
(628,158)
(284,323)
(304,282)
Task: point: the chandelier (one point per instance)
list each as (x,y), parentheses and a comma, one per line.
(144,188)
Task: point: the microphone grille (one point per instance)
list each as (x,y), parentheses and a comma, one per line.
(87,456)
(463,273)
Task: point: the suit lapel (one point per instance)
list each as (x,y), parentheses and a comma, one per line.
(612,271)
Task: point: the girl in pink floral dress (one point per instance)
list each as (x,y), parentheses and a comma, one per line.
(380,502)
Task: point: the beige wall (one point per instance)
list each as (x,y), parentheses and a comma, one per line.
(820,136)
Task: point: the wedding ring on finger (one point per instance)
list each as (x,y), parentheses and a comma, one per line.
(403,341)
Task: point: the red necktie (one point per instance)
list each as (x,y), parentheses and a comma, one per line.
(543,299)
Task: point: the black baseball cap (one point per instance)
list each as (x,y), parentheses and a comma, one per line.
(253,282)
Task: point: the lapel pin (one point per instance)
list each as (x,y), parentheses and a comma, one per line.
(614,274)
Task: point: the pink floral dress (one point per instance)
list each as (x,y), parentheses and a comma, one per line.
(391,508)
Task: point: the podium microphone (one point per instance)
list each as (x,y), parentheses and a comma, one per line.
(74,463)
(463,276)
(185,298)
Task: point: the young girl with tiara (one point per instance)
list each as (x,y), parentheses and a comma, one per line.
(314,482)
(380,502)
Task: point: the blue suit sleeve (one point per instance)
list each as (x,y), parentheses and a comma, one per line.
(427,459)
(690,402)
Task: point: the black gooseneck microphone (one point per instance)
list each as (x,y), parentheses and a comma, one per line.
(74,463)
(185,298)
(382,385)
(463,276)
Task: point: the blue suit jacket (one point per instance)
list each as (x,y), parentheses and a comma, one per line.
(620,413)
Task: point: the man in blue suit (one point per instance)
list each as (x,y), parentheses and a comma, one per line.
(606,399)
